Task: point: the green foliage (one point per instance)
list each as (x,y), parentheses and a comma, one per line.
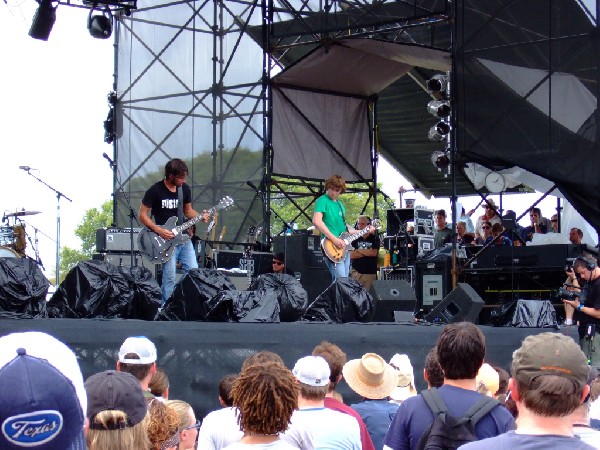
(93,219)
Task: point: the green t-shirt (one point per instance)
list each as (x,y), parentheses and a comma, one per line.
(333,214)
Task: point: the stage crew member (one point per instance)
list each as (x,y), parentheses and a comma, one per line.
(587,314)
(330,219)
(364,255)
(161,201)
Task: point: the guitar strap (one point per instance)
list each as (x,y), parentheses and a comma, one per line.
(343,215)
(180,218)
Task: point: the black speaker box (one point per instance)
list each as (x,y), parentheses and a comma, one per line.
(389,296)
(462,304)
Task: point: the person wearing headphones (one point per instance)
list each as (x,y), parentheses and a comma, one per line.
(363,256)
(587,314)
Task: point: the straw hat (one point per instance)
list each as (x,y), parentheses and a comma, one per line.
(370,376)
(406,379)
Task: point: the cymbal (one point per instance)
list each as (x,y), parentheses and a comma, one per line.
(22,213)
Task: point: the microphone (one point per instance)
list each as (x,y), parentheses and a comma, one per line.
(110,161)
(25,168)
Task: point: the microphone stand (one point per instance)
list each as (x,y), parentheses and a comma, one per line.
(132,215)
(58,196)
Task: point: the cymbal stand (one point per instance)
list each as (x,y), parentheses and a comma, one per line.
(35,247)
(58,196)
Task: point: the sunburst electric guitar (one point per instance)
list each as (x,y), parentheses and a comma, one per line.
(336,254)
(158,250)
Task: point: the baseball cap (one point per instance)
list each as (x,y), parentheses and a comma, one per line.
(140,346)
(42,398)
(549,354)
(112,390)
(406,379)
(312,370)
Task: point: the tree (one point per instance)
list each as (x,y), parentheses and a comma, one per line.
(93,219)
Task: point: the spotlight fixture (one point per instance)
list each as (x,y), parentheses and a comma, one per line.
(439,131)
(440,160)
(43,20)
(100,25)
(439,108)
(437,84)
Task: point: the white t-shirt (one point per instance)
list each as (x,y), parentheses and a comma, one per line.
(323,428)
(219,429)
(276,445)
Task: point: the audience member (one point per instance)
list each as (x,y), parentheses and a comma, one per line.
(466,219)
(460,352)
(220,428)
(575,236)
(461,230)
(163,424)
(363,256)
(188,425)
(262,357)
(405,386)
(373,379)
(487,380)
(336,358)
(553,224)
(595,403)
(549,374)
(489,216)
(539,225)
(503,377)
(442,234)
(313,425)
(116,411)
(279,264)
(266,396)
(432,372)
(159,385)
(42,397)
(497,234)
(581,416)
(137,356)
(486,233)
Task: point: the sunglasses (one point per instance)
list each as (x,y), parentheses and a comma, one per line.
(196,426)
(486,228)
(554,220)
(278,263)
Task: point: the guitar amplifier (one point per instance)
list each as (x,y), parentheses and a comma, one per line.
(116,239)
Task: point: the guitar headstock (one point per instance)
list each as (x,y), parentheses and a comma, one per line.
(376,223)
(225,203)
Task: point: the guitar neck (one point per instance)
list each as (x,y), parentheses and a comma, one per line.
(192,221)
(354,237)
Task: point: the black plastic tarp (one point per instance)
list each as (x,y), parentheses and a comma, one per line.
(292,298)
(343,301)
(23,288)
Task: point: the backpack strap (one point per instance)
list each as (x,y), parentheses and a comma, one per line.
(434,401)
(476,412)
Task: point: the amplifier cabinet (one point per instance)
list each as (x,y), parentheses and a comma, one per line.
(116,239)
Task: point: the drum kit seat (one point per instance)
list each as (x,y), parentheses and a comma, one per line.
(13,237)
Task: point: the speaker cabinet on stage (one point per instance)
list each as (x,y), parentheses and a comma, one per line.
(390,296)
(432,282)
(462,304)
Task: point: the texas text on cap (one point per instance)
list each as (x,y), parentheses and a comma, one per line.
(42,398)
(112,390)
(312,370)
(140,346)
(549,354)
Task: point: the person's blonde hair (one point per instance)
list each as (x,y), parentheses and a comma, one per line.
(135,437)
(183,411)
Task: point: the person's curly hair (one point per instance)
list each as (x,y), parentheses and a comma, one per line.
(164,423)
(266,395)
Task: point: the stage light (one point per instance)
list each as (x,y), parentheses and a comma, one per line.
(439,108)
(100,25)
(440,160)
(437,84)
(43,20)
(439,131)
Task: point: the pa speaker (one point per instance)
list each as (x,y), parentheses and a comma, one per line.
(389,296)
(462,304)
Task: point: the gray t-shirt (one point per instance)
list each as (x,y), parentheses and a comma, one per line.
(513,440)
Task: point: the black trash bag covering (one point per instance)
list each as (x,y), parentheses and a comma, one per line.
(244,306)
(501,316)
(98,289)
(23,289)
(534,314)
(343,301)
(292,297)
(188,300)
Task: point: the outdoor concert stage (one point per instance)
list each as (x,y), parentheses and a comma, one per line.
(196,355)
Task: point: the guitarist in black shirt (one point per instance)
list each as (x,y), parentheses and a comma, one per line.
(161,201)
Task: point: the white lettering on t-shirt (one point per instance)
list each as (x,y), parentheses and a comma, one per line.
(170,203)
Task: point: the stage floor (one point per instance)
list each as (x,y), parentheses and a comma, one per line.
(195,355)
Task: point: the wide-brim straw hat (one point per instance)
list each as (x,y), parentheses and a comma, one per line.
(370,376)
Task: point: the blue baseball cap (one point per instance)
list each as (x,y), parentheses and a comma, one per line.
(42,397)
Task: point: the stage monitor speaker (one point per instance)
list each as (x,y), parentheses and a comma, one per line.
(462,304)
(389,296)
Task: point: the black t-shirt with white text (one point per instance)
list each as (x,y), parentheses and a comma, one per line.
(163,203)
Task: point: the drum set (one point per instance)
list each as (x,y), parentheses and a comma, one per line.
(13,236)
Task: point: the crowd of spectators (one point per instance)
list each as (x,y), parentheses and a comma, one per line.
(549,398)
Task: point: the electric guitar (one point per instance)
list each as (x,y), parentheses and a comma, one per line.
(336,254)
(158,250)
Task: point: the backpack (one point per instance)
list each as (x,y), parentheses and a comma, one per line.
(447,432)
